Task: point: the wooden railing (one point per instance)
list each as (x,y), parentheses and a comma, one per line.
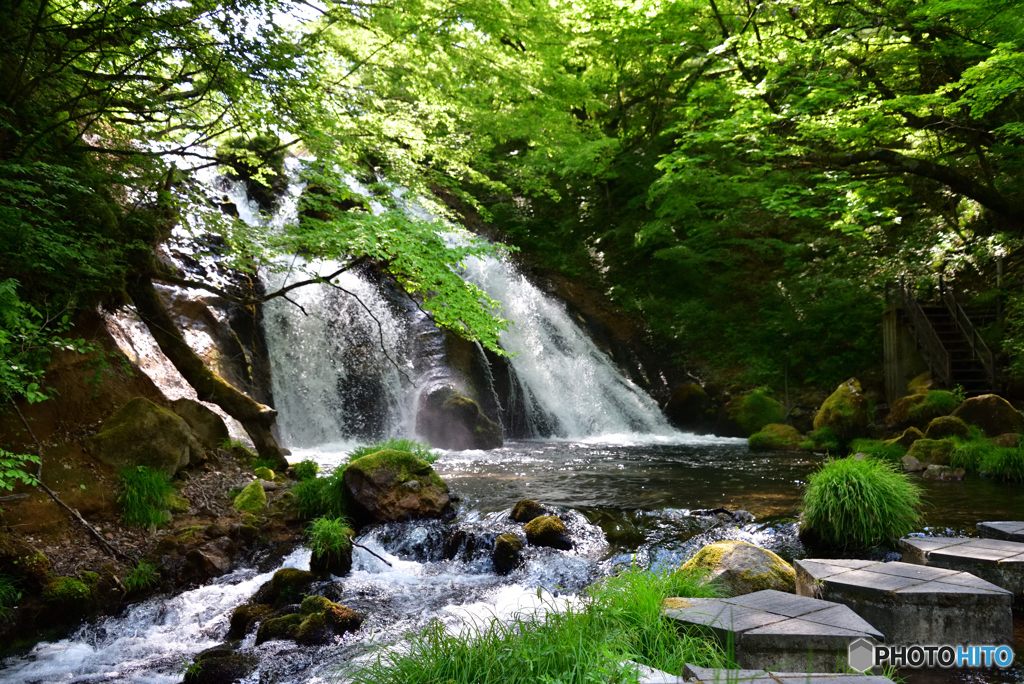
(932,349)
(979,350)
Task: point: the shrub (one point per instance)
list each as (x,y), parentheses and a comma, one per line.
(876,448)
(823,439)
(143,576)
(322,496)
(143,496)
(306,470)
(618,619)
(417,449)
(859,504)
(9,593)
(329,536)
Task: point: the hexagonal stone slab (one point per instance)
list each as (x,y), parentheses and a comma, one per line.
(707,675)
(993,560)
(913,604)
(773,630)
(1009,530)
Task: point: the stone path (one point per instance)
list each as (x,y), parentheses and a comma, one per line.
(913,604)
(707,675)
(1010,530)
(773,630)
(995,560)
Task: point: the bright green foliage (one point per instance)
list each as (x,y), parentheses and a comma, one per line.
(938,403)
(824,440)
(417,449)
(142,496)
(9,593)
(13,469)
(306,470)
(876,448)
(324,496)
(971,454)
(619,619)
(755,410)
(143,576)
(1005,464)
(68,593)
(851,504)
(329,535)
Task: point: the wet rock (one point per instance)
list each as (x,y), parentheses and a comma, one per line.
(911,464)
(1008,441)
(252,499)
(71,595)
(688,407)
(336,563)
(207,426)
(245,617)
(207,562)
(947,426)
(377,484)
(286,627)
(931,451)
(526,510)
(941,472)
(906,438)
(993,414)
(845,412)
(316,622)
(776,437)
(220,665)
(287,586)
(22,561)
(547,530)
(450,420)
(142,434)
(744,568)
(508,553)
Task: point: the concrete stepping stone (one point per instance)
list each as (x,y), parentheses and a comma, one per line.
(773,630)
(1009,530)
(707,675)
(913,604)
(994,560)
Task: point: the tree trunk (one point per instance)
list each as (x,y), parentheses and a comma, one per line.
(254,417)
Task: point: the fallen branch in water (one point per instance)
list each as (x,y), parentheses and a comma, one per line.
(371,553)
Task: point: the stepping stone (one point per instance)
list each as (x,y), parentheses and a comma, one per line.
(648,675)
(994,560)
(773,630)
(913,604)
(707,675)
(1010,530)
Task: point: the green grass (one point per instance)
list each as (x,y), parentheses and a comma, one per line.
(970,454)
(306,470)
(322,496)
(618,619)
(417,449)
(143,576)
(232,444)
(1005,463)
(938,403)
(143,496)
(979,455)
(267,463)
(852,504)
(9,593)
(822,440)
(329,536)
(876,448)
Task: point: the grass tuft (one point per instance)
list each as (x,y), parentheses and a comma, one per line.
(143,576)
(329,536)
(322,496)
(852,504)
(417,449)
(823,439)
(9,593)
(143,496)
(306,470)
(618,619)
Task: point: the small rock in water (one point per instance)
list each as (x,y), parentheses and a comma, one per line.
(745,568)
(507,554)
(526,510)
(548,530)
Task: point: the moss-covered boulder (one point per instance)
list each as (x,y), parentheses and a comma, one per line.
(22,561)
(390,486)
(526,510)
(688,408)
(750,412)
(252,499)
(921,383)
(920,409)
(507,554)
(287,586)
(1010,440)
(776,437)
(450,420)
(265,473)
(207,426)
(547,530)
(141,433)
(317,622)
(337,562)
(245,617)
(990,412)
(285,627)
(947,426)
(845,412)
(744,568)
(931,451)
(906,438)
(220,665)
(71,595)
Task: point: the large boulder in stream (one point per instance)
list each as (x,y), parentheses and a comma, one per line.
(391,486)
(450,420)
(744,568)
(689,408)
(993,414)
(141,433)
(845,412)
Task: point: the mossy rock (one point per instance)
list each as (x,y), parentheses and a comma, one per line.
(69,594)
(207,427)
(287,586)
(336,562)
(922,383)
(279,628)
(547,530)
(906,438)
(245,617)
(751,412)
(776,437)
(526,510)
(947,426)
(264,474)
(141,433)
(687,408)
(391,486)
(744,568)
(931,451)
(507,554)
(177,504)
(221,665)
(450,420)
(252,499)
(845,412)
(919,409)
(22,561)
(993,414)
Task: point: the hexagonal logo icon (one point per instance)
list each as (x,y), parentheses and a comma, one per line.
(862,655)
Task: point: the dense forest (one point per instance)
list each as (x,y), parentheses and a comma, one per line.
(745,177)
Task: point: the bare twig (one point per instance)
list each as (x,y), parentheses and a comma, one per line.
(360,546)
